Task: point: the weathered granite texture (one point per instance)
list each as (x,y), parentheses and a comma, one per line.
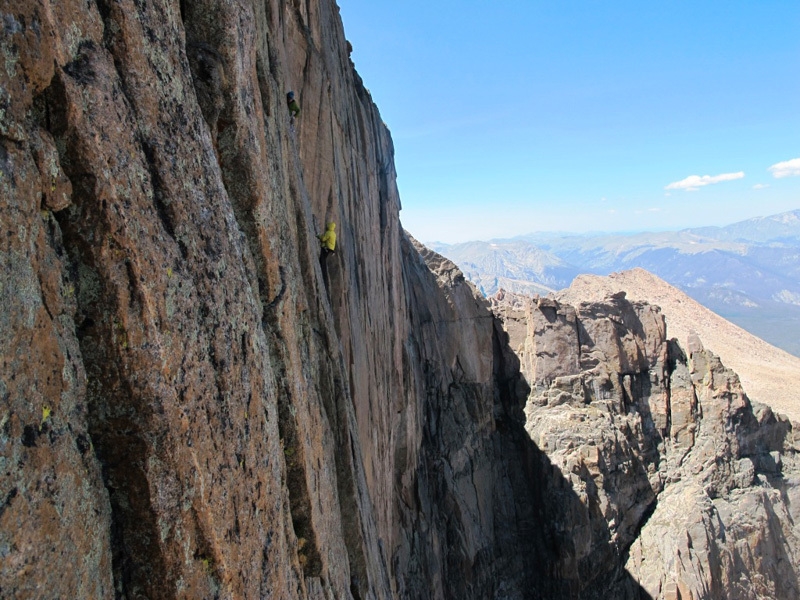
(162,317)
(681,480)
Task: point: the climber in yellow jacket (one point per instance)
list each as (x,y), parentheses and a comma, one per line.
(328,240)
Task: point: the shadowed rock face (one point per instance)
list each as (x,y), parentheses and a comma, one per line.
(679,478)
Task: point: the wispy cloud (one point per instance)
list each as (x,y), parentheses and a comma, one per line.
(787,168)
(760,186)
(695,182)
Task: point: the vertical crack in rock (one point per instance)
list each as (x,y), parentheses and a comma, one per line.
(118,415)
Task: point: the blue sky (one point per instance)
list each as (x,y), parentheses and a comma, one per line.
(519,116)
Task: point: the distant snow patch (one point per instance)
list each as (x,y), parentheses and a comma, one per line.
(788,297)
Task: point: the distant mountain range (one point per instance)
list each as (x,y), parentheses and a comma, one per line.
(747,272)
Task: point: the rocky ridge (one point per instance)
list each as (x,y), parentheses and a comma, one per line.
(690,484)
(768,374)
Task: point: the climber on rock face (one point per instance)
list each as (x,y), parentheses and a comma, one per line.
(328,241)
(294,107)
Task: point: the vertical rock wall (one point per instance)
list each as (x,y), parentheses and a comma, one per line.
(178,419)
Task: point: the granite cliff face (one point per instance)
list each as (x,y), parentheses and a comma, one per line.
(679,477)
(194,406)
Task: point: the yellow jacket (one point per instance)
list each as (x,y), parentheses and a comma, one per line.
(328,238)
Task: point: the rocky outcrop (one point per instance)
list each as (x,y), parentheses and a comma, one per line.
(768,374)
(678,476)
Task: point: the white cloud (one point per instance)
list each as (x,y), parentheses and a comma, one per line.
(787,168)
(694,182)
(760,186)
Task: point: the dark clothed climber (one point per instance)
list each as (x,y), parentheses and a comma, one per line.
(294,107)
